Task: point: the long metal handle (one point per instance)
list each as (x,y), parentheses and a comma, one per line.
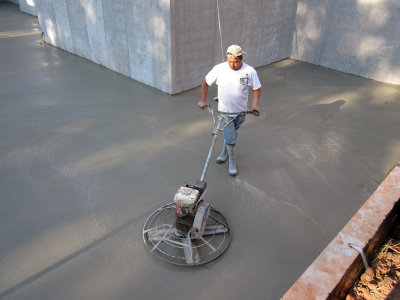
(215,135)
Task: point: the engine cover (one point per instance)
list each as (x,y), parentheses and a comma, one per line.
(186,196)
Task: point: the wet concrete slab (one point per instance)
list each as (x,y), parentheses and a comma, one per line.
(86,155)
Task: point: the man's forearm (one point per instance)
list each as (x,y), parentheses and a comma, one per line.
(256,97)
(204,91)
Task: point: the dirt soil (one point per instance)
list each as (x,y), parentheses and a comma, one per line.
(382,279)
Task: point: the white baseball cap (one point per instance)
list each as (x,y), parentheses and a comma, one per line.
(235,51)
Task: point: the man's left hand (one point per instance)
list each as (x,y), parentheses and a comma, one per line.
(257,111)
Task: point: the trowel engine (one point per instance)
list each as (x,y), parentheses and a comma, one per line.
(190,210)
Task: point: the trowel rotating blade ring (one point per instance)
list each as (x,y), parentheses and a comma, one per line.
(160,236)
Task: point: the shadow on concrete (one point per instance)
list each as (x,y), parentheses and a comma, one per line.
(65,260)
(313,114)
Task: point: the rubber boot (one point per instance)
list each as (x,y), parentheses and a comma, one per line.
(232,165)
(223,156)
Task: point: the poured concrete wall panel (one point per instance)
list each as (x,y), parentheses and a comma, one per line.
(160,45)
(357,37)
(196,45)
(149,39)
(77,21)
(63,26)
(116,37)
(95,28)
(262,28)
(276,27)
(48,22)
(363,39)
(139,43)
(309,30)
(28,6)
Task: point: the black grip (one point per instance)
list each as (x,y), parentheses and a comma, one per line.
(254,112)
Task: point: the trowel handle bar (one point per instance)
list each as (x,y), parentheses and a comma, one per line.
(250,112)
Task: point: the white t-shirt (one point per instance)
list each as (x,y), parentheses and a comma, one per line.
(233,86)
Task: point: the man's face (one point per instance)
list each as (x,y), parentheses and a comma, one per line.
(234,63)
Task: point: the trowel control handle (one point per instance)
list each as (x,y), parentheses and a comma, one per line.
(250,112)
(253,112)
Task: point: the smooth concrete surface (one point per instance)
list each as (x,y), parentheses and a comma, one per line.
(87,154)
(357,37)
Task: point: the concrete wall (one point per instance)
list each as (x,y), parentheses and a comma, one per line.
(131,37)
(171,44)
(262,28)
(358,37)
(28,6)
(149,42)
(138,39)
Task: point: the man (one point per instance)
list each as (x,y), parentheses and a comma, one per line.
(234,79)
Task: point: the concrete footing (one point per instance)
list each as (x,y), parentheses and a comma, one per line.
(335,270)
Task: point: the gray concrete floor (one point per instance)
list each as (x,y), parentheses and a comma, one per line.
(87,154)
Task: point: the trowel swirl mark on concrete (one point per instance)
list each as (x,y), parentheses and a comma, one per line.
(261,198)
